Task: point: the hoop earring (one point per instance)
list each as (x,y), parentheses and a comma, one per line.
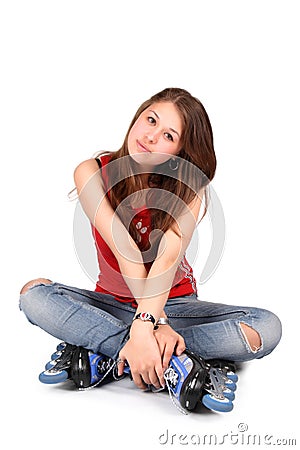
(173,164)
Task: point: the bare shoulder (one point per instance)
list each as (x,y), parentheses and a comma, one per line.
(89,166)
(84,171)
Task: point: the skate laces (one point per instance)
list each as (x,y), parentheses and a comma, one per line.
(104,365)
(171,378)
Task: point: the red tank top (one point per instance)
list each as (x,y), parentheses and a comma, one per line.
(110,279)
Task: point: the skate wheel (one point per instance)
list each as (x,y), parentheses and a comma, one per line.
(48,377)
(61,346)
(230,385)
(215,404)
(50,365)
(56,355)
(228,393)
(232,376)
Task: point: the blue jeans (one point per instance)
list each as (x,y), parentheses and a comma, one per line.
(99,322)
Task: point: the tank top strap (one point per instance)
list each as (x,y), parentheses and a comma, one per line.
(98,161)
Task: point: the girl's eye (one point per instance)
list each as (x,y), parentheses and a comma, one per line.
(151,119)
(169,136)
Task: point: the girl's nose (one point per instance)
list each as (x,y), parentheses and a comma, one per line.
(151,137)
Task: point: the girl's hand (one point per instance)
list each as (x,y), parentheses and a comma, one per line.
(169,342)
(143,355)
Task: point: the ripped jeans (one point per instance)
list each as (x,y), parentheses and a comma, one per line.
(100,323)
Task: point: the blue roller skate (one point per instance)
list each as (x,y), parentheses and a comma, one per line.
(185,378)
(85,368)
(190,379)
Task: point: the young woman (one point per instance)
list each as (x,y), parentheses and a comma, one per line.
(144,202)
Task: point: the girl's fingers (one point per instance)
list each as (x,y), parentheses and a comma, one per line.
(180,346)
(121,365)
(121,361)
(139,380)
(167,356)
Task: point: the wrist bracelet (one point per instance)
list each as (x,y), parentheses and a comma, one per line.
(145,317)
(163,321)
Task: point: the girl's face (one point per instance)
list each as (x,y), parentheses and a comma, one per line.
(156,134)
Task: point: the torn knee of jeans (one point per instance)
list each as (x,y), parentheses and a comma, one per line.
(33,283)
(251,337)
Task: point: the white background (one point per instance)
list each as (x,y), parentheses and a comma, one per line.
(72,76)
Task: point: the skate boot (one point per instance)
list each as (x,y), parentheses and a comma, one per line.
(190,379)
(90,369)
(85,368)
(185,378)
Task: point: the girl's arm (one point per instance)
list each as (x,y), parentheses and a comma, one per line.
(170,253)
(148,352)
(92,196)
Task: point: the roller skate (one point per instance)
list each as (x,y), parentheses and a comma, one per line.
(190,379)
(85,368)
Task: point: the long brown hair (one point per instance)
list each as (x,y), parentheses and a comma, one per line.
(184,180)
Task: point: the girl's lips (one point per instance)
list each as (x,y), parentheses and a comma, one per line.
(142,147)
